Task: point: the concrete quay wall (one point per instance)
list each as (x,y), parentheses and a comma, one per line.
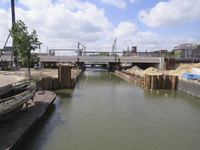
(189,87)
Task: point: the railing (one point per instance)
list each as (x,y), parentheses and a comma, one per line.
(192,78)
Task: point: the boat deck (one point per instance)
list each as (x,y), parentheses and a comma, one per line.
(11,134)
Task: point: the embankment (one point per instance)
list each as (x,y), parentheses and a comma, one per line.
(153,81)
(189,87)
(164,82)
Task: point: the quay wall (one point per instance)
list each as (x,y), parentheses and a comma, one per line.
(165,82)
(189,87)
(153,81)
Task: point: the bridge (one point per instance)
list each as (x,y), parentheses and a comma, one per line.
(157,62)
(142,62)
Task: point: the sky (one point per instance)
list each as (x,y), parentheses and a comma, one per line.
(148,24)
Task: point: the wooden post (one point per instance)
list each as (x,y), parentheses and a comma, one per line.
(55,83)
(145,81)
(64,76)
(68,76)
(72,83)
(148,81)
(154,82)
(47,83)
(160,81)
(169,83)
(176,83)
(165,80)
(173,82)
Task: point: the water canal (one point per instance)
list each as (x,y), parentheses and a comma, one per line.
(114,114)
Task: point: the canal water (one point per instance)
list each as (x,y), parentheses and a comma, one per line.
(114,114)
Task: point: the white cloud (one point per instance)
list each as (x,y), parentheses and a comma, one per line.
(65,23)
(124,29)
(173,12)
(133,1)
(118,3)
(127,34)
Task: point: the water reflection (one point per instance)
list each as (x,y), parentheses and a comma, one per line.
(161,93)
(112,113)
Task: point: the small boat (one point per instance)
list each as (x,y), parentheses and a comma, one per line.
(5,89)
(13,101)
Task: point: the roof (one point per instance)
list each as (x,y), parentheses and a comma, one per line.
(188,46)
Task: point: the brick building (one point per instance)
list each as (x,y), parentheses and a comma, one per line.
(188,50)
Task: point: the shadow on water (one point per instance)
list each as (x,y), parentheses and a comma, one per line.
(65,93)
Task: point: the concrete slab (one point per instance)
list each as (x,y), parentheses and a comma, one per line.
(8,79)
(11,134)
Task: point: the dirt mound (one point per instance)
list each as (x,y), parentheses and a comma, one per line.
(180,69)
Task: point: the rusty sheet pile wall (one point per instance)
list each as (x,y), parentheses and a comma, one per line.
(161,82)
(63,81)
(154,81)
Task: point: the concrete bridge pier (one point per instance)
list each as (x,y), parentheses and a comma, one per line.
(114,66)
(104,66)
(81,65)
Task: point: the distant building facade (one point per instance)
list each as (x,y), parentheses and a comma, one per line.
(128,52)
(188,50)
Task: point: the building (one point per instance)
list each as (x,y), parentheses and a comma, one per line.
(159,53)
(188,50)
(128,52)
(1,51)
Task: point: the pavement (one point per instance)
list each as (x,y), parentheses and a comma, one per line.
(8,79)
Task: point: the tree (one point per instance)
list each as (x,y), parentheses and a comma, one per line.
(33,60)
(24,43)
(171,53)
(102,54)
(165,54)
(153,54)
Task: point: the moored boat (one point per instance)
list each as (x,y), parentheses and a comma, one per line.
(14,100)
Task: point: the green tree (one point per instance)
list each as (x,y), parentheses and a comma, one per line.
(177,54)
(153,55)
(114,55)
(165,54)
(102,54)
(33,60)
(24,43)
(171,53)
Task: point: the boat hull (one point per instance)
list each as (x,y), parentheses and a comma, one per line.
(13,104)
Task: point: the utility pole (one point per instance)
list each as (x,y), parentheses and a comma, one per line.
(13,21)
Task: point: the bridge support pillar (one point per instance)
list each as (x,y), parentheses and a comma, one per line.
(81,65)
(104,65)
(114,66)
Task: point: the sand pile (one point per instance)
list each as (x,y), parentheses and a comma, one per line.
(134,70)
(180,69)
